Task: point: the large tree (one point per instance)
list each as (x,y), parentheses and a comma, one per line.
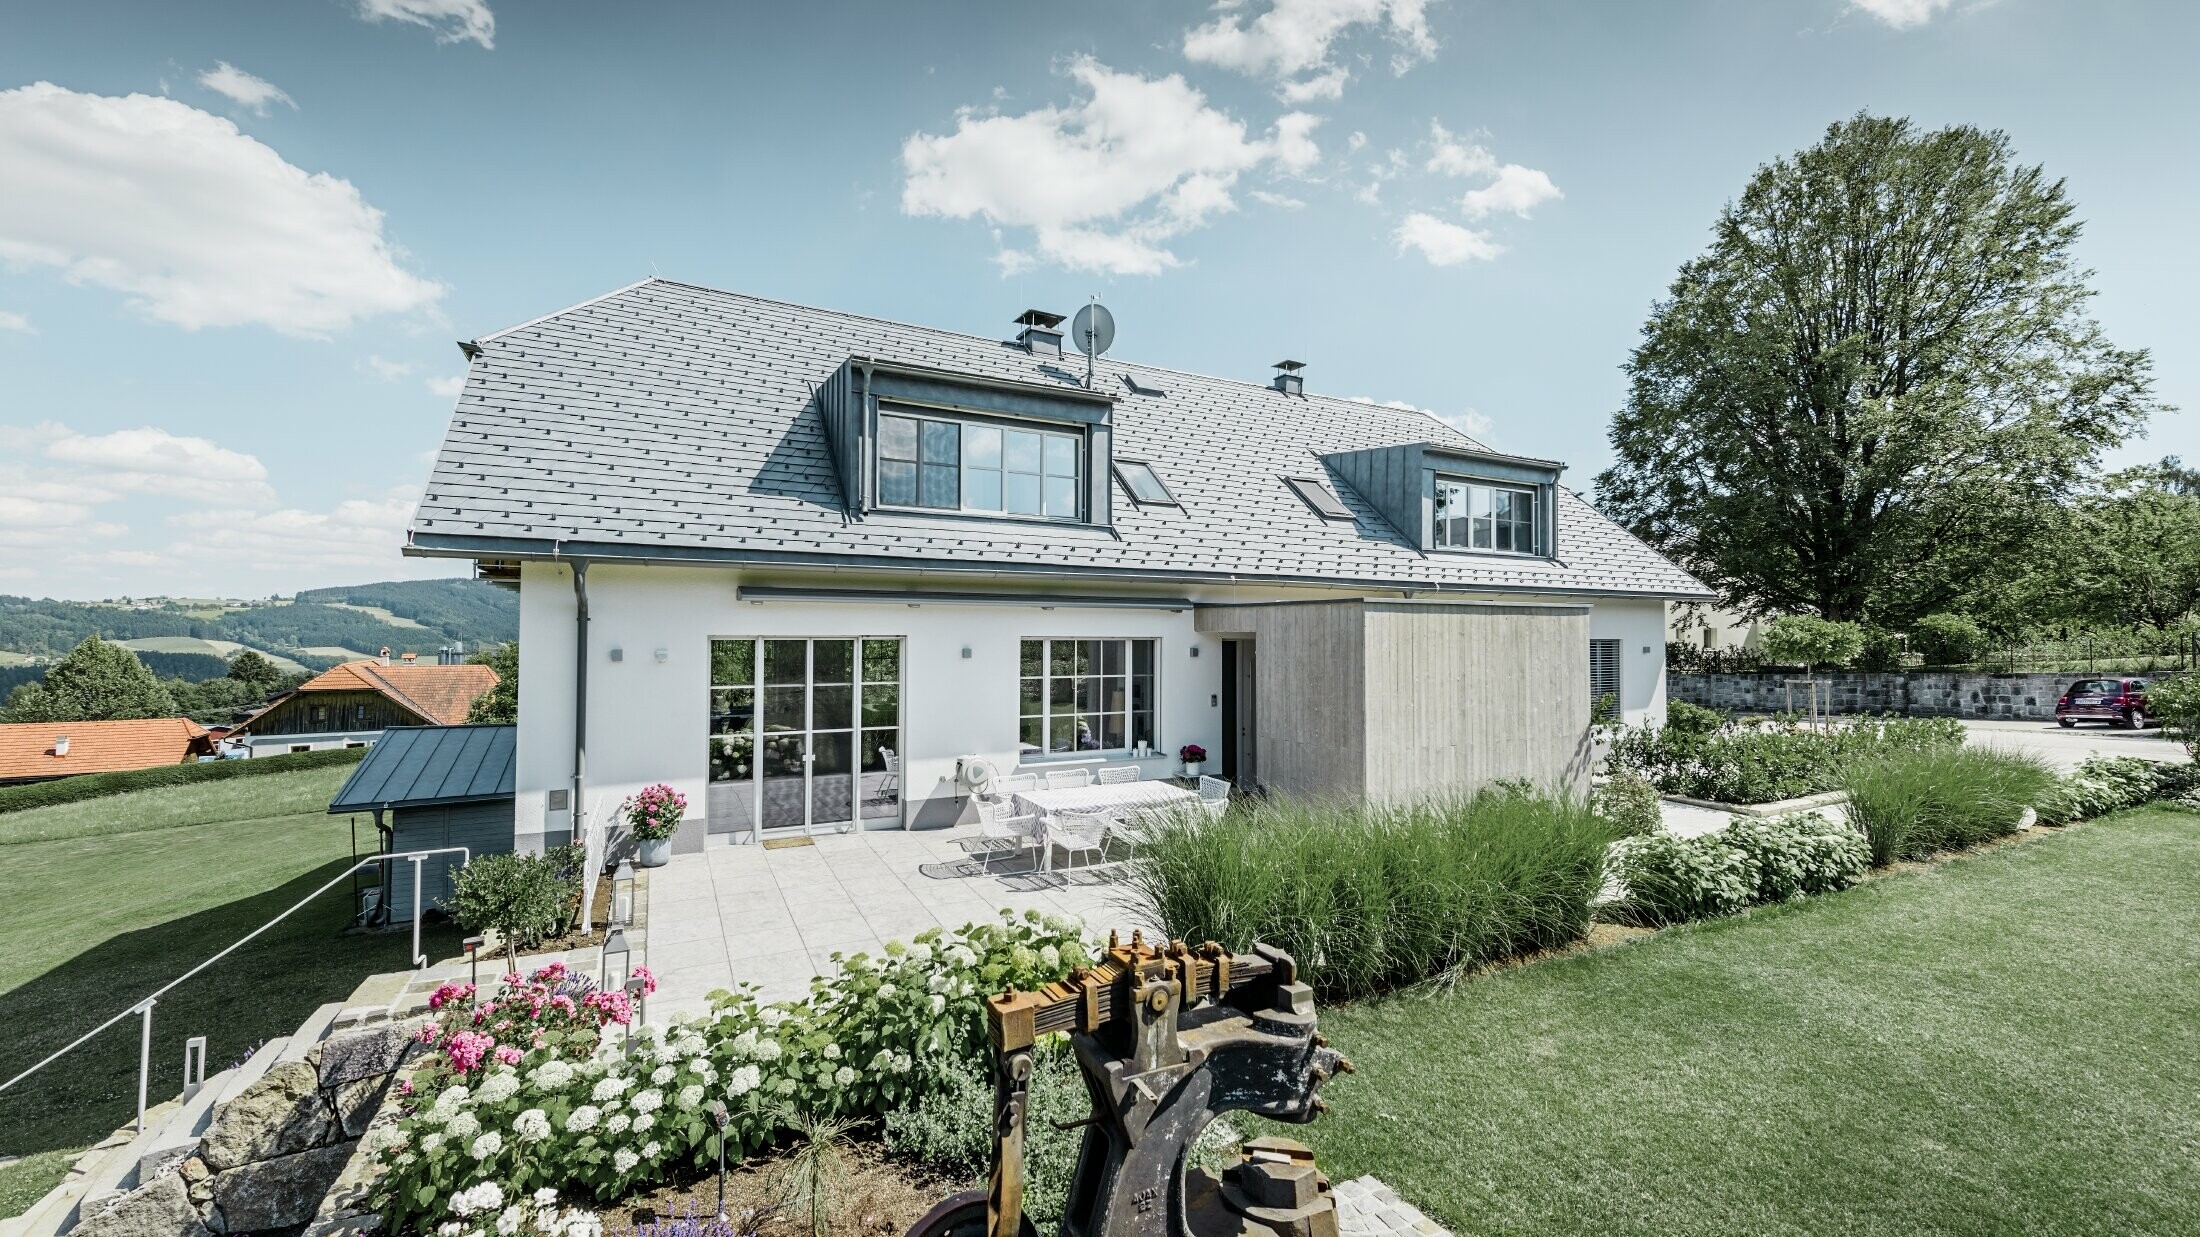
(97,681)
(1876,382)
(499,706)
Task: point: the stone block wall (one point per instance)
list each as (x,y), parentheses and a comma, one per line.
(2028,697)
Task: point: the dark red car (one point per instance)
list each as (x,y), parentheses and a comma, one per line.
(2119,702)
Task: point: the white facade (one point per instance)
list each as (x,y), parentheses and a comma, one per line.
(283,744)
(649,709)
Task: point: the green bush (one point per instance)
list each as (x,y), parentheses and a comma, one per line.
(1758,764)
(1796,855)
(1948,639)
(1630,803)
(1692,718)
(1912,804)
(525,899)
(1667,879)
(949,1131)
(2176,702)
(98,785)
(1807,640)
(1882,651)
(1368,898)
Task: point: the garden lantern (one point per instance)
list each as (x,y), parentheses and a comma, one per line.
(634,1004)
(622,895)
(617,959)
(472,946)
(718,1116)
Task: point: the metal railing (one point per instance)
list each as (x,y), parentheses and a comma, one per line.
(144,1008)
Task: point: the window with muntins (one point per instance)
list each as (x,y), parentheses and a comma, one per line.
(948,465)
(1475,515)
(1603,671)
(1087,696)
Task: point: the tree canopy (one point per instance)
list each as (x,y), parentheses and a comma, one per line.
(97,681)
(1877,383)
(500,706)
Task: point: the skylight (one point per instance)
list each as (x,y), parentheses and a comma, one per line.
(1144,484)
(1316,495)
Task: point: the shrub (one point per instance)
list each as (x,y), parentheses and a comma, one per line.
(1882,651)
(1753,764)
(1631,804)
(1685,658)
(1948,639)
(1797,855)
(1689,718)
(1807,640)
(1665,878)
(1367,897)
(950,1130)
(526,899)
(877,1036)
(98,785)
(2176,701)
(554,1004)
(1913,803)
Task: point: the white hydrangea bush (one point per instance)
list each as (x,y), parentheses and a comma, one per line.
(870,1040)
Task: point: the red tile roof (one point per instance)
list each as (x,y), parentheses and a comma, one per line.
(439,694)
(27,748)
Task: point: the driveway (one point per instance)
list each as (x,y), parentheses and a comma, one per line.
(2067,749)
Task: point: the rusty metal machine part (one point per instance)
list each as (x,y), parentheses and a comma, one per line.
(1168,1039)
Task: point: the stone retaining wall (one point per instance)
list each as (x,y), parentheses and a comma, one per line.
(2028,697)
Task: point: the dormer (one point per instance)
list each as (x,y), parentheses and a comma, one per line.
(912,440)
(1450,500)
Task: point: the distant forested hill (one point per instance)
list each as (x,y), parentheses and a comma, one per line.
(317,629)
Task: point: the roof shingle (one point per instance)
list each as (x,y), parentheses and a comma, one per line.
(27,749)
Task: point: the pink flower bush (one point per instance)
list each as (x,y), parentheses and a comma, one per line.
(550,1004)
(654,812)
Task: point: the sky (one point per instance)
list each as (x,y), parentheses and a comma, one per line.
(238,240)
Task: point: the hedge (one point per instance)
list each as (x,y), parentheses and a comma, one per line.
(97,785)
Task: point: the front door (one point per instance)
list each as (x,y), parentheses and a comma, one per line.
(1239,707)
(805,733)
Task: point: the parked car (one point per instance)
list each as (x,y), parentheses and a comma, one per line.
(2119,702)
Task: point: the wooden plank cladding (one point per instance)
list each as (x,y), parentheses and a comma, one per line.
(1396,700)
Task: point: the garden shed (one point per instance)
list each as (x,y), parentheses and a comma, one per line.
(430,787)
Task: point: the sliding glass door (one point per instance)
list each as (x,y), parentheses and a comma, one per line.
(805,733)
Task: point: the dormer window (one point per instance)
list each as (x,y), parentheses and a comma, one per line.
(949,464)
(1477,515)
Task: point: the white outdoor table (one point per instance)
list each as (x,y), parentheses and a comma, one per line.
(1117,801)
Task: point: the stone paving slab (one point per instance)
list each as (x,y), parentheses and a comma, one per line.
(1368,1208)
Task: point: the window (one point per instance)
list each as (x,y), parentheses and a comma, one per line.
(1471,515)
(1316,495)
(1143,484)
(1603,671)
(301,747)
(977,466)
(1087,695)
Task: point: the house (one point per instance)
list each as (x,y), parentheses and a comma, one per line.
(352,704)
(428,788)
(811,568)
(42,751)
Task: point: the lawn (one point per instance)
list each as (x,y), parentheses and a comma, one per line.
(106,900)
(2006,1043)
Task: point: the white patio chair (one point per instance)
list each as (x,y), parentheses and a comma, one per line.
(892,762)
(1068,779)
(1019,781)
(1214,794)
(1001,831)
(1116,775)
(1077,833)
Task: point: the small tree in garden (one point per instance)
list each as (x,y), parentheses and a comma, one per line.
(2176,701)
(1948,639)
(525,898)
(1810,642)
(499,706)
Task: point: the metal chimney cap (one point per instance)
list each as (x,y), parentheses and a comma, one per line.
(1290,367)
(1039,318)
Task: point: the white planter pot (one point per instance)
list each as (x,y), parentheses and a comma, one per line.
(653,852)
(1191,768)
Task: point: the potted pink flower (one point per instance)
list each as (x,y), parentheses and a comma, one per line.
(1193,756)
(653,816)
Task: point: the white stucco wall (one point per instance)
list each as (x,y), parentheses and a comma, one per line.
(1639,626)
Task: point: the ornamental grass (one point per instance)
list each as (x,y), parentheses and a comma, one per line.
(1913,804)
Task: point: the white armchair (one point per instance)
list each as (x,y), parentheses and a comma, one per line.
(1214,794)
(1067,779)
(1002,832)
(1116,775)
(1076,833)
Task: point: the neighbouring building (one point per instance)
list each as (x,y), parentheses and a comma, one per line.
(42,751)
(352,704)
(806,566)
(430,788)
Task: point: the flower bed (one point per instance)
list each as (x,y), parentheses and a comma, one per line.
(577,1114)
(1747,764)
(1667,878)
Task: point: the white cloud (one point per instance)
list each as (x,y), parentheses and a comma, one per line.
(149,460)
(1352,144)
(197,223)
(454,21)
(18,512)
(386,370)
(353,535)
(1102,184)
(1903,14)
(447,388)
(1282,201)
(1517,189)
(1450,156)
(11,321)
(1467,421)
(1443,244)
(1291,42)
(243,89)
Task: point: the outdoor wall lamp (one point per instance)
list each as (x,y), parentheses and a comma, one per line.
(663,655)
(617,653)
(622,895)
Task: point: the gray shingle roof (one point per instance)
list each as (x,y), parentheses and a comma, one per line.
(677,422)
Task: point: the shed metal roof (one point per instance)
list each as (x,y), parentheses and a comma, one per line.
(669,422)
(422,766)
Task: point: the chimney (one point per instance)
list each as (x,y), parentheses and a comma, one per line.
(1042,334)
(1288,379)
(61,745)
(384,655)
(408,658)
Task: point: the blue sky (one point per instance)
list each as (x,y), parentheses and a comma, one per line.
(238,240)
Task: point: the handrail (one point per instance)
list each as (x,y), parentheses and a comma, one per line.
(145,1006)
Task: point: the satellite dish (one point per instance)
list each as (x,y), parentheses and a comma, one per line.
(1094,329)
